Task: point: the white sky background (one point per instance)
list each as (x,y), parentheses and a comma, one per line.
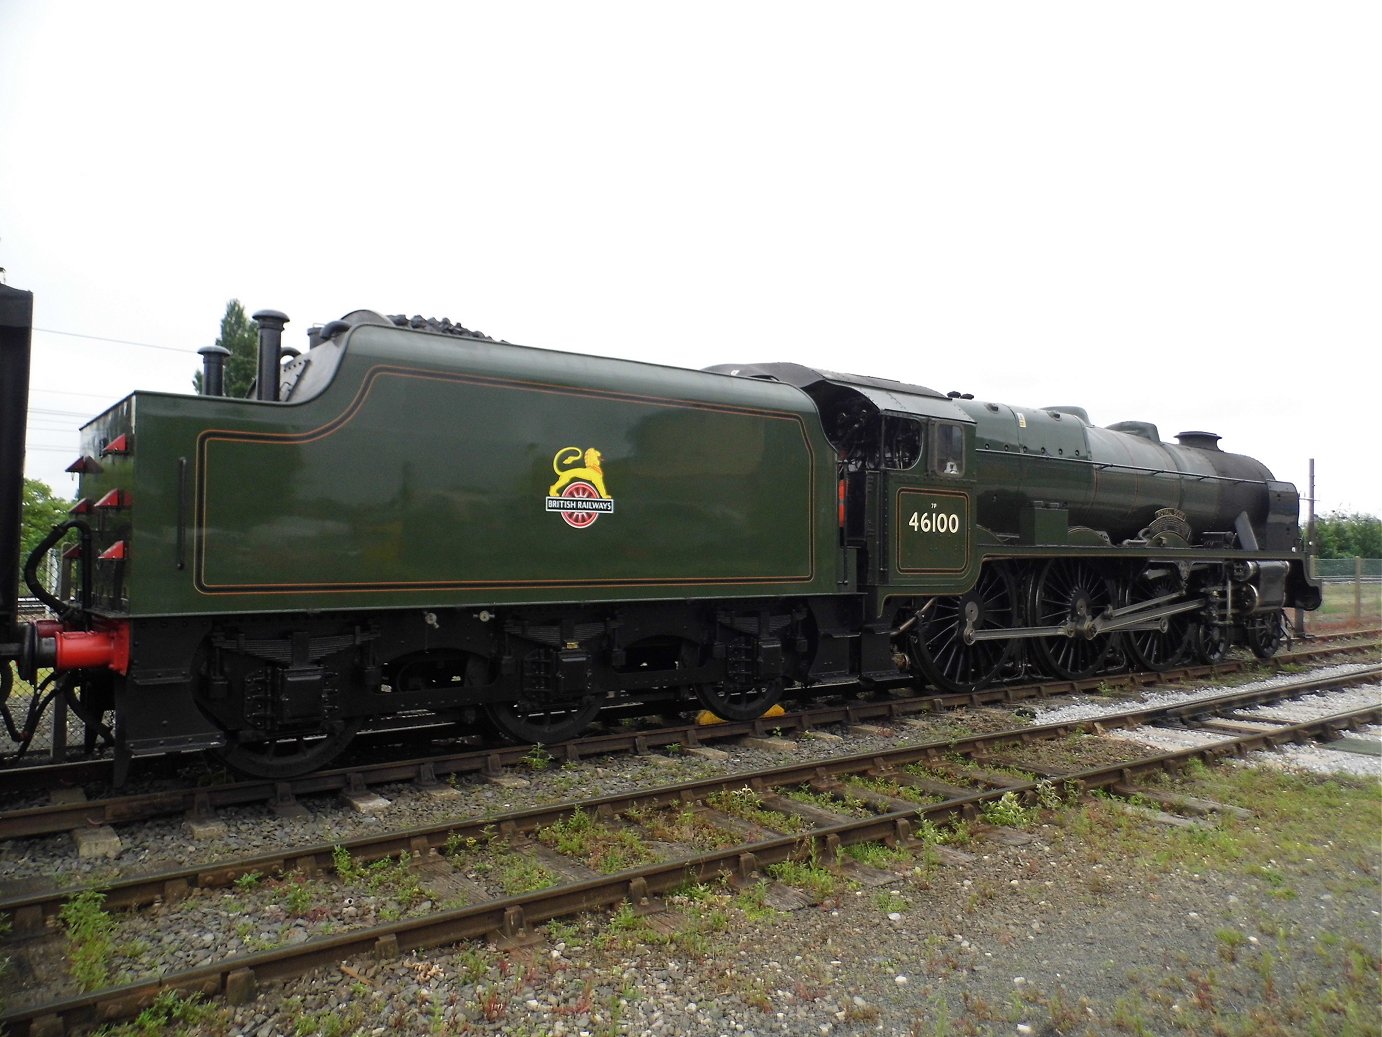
(1167,212)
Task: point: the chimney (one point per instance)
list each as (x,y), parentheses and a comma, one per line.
(270,351)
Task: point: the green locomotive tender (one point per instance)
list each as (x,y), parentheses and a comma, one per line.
(410,518)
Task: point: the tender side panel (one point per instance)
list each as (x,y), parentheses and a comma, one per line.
(433,481)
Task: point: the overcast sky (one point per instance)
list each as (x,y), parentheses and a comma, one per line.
(1167,212)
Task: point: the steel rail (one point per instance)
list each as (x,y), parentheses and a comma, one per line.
(54,818)
(238,978)
(29,911)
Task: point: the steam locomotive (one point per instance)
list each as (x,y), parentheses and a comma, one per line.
(412,519)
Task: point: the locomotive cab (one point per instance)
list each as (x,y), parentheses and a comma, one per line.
(906,463)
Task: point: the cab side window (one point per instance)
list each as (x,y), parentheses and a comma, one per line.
(948,449)
(901,443)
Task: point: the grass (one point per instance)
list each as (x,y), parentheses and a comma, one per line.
(685,824)
(600,846)
(169,1013)
(747,805)
(1339,605)
(890,788)
(848,805)
(1007,811)
(537,758)
(878,855)
(702,919)
(1284,829)
(955,778)
(1306,833)
(808,876)
(511,871)
(752,902)
(389,877)
(89,938)
(891,902)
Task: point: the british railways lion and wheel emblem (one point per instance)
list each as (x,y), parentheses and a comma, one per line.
(579,494)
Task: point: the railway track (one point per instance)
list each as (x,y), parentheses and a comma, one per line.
(738,826)
(199,804)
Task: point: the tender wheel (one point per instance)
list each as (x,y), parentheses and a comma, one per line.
(542,724)
(1209,643)
(739,703)
(289,756)
(1070,591)
(936,641)
(734,703)
(745,693)
(1266,634)
(1155,649)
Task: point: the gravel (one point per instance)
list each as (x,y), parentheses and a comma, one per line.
(982,945)
(1314,758)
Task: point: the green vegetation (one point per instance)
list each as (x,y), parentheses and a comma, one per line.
(752,901)
(1348,535)
(40,509)
(1345,601)
(169,1013)
(878,855)
(1284,831)
(89,930)
(240,335)
(954,833)
(890,901)
(1304,829)
(892,788)
(956,778)
(248,880)
(808,875)
(1007,811)
(602,847)
(387,876)
(847,805)
(701,919)
(747,805)
(537,758)
(497,861)
(685,824)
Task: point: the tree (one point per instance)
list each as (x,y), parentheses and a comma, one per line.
(40,510)
(1341,535)
(240,335)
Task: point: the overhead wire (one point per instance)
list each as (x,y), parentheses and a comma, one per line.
(118,341)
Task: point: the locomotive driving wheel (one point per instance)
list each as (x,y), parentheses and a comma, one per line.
(1158,649)
(1069,591)
(288,756)
(936,641)
(1267,633)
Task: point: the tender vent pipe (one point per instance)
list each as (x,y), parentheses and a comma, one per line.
(213,370)
(270,349)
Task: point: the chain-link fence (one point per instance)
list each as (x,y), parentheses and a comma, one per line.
(1352,592)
